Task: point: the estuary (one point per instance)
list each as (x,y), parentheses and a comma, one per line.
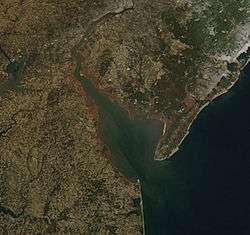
(203,188)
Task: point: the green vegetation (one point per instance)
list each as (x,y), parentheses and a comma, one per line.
(209,31)
(225,15)
(221,16)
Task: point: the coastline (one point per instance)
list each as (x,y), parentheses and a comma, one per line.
(142,210)
(222,92)
(212,166)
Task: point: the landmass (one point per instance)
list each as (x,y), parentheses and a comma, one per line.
(158,60)
(168,60)
(56,177)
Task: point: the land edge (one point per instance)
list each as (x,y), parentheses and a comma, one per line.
(94,111)
(142,209)
(222,92)
(244,49)
(132,113)
(75,56)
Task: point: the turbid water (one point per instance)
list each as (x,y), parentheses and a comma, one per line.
(204,187)
(132,142)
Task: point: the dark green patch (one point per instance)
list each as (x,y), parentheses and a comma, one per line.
(232,67)
(139,96)
(104,61)
(244,57)
(15,70)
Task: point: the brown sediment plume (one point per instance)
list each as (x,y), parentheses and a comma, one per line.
(95,114)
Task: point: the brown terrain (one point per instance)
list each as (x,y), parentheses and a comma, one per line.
(158,59)
(56,176)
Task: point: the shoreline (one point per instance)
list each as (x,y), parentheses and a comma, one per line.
(222,92)
(142,209)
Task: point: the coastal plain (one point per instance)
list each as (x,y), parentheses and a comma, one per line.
(159,60)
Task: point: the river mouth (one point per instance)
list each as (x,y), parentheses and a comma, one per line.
(132,142)
(203,188)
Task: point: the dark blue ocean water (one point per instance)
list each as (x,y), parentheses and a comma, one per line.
(205,188)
